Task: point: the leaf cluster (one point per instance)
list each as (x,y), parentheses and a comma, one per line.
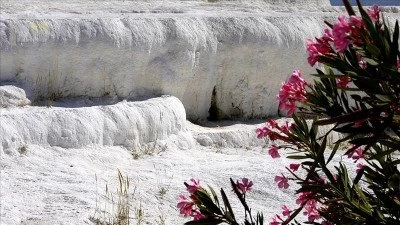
(368,115)
(217,212)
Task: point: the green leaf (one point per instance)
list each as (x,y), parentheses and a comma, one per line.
(349,8)
(370,61)
(260,219)
(205,199)
(349,117)
(227,205)
(358,177)
(384,153)
(334,150)
(206,221)
(214,195)
(297,157)
(374,51)
(239,195)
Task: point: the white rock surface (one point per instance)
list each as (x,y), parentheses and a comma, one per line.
(46,185)
(132,49)
(56,161)
(12,96)
(129,124)
(228,134)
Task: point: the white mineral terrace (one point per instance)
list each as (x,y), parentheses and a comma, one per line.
(136,49)
(89,87)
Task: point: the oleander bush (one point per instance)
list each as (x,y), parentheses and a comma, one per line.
(356,90)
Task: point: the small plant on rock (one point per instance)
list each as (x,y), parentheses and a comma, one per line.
(118,203)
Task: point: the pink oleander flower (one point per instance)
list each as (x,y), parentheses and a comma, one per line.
(312,52)
(282,181)
(273,151)
(310,209)
(303,198)
(245,185)
(341,31)
(356,154)
(286,128)
(374,13)
(263,132)
(291,91)
(360,166)
(290,107)
(273,131)
(321,47)
(356,23)
(313,215)
(193,186)
(276,220)
(327,36)
(343,81)
(185,205)
(357,26)
(296,79)
(361,62)
(272,124)
(294,167)
(286,211)
(197,215)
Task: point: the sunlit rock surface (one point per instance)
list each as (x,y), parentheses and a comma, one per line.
(80,59)
(128,124)
(134,49)
(11,96)
(231,55)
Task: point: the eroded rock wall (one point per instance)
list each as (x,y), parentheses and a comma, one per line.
(244,59)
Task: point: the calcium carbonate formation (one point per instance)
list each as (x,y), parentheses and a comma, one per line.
(230,55)
(129,124)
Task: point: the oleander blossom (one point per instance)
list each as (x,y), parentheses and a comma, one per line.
(361,62)
(273,151)
(197,215)
(294,167)
(286,211)
(185,205)
(274,131)
(282,181)
(321,47)
(374,13)
(303,197)
(310,209)
(244,185)
(276,220)
(292,91)
(343,81)
(360,166)
(341,31)
(193,186)
(347,31)
(356,154)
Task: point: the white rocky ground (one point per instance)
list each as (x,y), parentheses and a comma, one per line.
(57,159)
(56,162)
